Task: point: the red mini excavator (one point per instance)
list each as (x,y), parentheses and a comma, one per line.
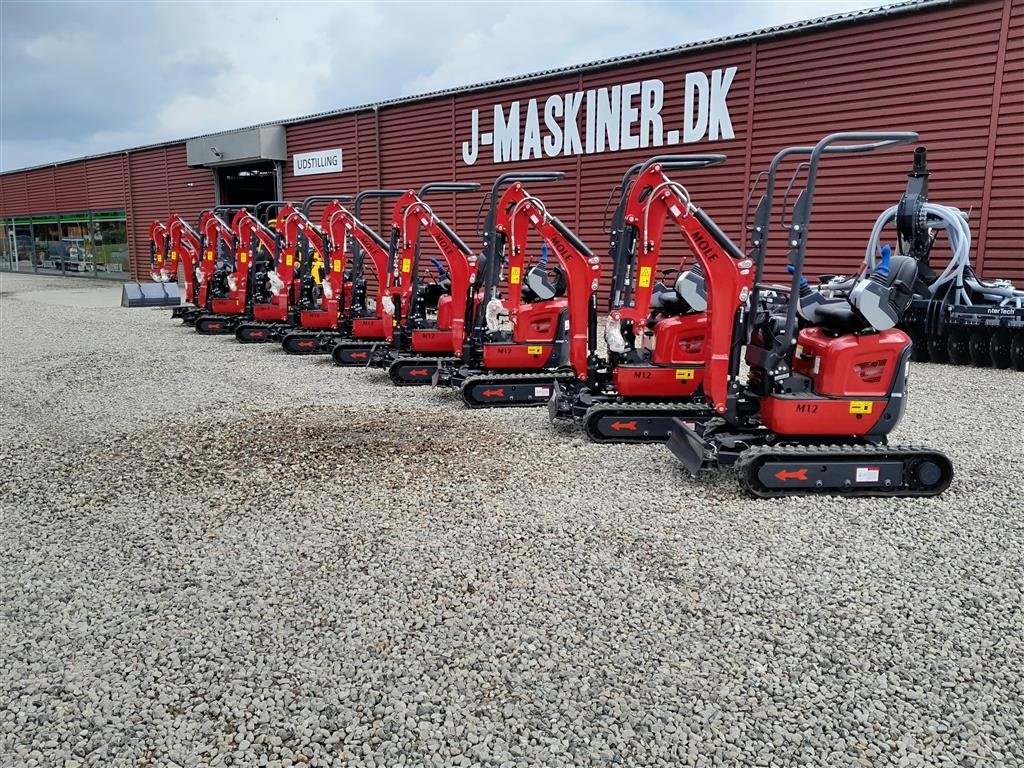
(344,313)
(655,334)
(284,287)
(254,247)
(429,314)
(172,244)
(825,387)
(520,343)
(216,247)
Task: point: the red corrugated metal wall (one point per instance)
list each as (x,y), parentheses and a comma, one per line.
(160,182)
(955,74)
(1004,213)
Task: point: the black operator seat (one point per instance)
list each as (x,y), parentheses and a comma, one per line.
(875,303)
(544,284)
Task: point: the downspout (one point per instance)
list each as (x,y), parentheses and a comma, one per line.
(129,213)
(380,171)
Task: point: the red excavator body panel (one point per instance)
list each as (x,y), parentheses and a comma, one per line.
(539,321)
(432,341)
(372,327)
(850,365)
(680,340)
(649,381)
(444,313)
(851,374)
(527,357)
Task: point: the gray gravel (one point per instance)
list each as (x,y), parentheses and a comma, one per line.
(215,554)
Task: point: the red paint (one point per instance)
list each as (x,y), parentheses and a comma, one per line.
(796,474)
(850,365)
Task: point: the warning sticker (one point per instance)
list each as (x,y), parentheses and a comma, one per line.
(861,406)
(542,391)
(288,260)
(513,276)
(534,350)
(645,277)
(406,265)
(867,474)
(337,265)
(684,374)
(174,255)
(209,255)
(242,257)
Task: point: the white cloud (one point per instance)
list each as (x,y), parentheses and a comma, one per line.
(80,78)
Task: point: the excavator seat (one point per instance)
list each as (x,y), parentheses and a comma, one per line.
(875,303)
(544,284)
(688,294)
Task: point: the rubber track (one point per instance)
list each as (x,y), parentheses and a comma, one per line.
(752,458)
(633,410)
(428,362)
(540,377)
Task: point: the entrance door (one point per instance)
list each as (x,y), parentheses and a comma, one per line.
(247,184)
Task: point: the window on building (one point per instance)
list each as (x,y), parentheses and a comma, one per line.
(109,242)
(6,247)
(48,250)
(88,243)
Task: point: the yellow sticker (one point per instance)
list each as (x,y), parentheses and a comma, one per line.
(242,257)
(406,265)
(209,255)
(288,260)
(645,277)
(535,350)
(514,276)
(337,265)
(174,255)
(684,374)
(861,406)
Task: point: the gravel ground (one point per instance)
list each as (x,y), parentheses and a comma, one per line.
(215,554)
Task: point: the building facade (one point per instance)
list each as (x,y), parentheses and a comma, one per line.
(952,71)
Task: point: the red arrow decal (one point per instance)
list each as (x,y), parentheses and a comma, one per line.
(213,326)
(620,425)
(493,393)
(305,345)
(257,334)
(359,355)
(419,372)
(796,474)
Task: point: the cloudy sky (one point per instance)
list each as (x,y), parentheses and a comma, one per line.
(80,78)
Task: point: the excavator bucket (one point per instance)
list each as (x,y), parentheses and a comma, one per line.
(150,295)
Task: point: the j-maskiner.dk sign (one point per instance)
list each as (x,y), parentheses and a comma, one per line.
(324,161)
(620,117)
